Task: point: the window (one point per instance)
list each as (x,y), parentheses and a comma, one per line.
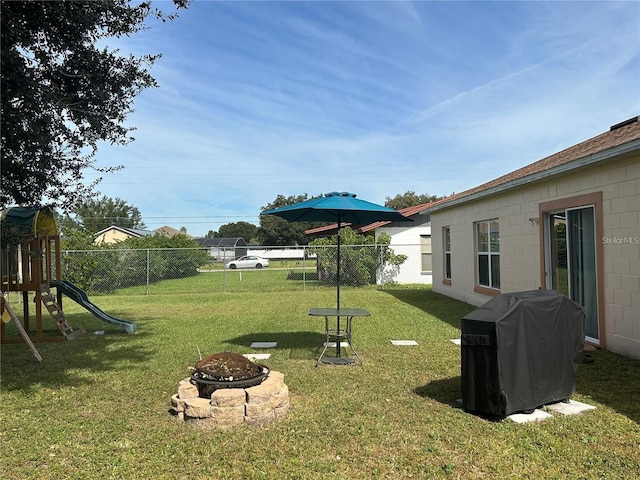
(425,253)
(488,248)
(446,233)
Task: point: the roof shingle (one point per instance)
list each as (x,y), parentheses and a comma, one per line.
(618,135)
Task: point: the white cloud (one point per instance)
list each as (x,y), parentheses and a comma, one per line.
(261,98)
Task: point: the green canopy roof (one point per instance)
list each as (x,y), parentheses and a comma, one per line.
(23,222)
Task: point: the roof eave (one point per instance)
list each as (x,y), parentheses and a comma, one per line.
(582,162)
(115,227)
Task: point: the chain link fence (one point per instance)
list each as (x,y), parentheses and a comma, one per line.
(145,271)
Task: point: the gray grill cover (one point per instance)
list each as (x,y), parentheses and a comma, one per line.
(521,350)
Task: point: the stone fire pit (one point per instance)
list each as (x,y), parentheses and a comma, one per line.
(227,389)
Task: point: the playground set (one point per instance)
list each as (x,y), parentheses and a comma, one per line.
(30,263)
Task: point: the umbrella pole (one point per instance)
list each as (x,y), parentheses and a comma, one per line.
(338,342)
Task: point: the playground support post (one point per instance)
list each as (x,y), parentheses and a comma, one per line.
(23,332)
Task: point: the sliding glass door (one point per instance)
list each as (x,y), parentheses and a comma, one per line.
(570,257)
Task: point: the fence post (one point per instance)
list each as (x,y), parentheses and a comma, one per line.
(381,268)
(147,291)
(304,269)
(224,270)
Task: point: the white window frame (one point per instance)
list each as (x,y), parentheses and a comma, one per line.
(491,252)
(446,243)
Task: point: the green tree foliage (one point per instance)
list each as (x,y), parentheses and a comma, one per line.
(106,268)
(62,94)
(159,241)
(245,230)
(170,257)
(96,214)
(275,231)
(409,199)
(560,238)
(80,265)
(362,257)
(74,238)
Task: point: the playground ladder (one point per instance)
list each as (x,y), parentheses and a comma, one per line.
(57,315)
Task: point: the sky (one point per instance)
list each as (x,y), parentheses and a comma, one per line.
(262,98)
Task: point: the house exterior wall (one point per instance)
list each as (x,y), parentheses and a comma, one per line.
(111,236)
(621,245)
(521,262)
(407,241)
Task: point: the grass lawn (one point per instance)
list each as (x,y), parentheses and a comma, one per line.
(97,406)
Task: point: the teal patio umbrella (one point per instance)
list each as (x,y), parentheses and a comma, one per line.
(340,207)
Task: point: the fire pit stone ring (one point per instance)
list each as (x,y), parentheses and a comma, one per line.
(241,394)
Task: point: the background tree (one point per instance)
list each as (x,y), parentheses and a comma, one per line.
(246,230)
(94,215)
(275,231)
(409,199)
(62,94)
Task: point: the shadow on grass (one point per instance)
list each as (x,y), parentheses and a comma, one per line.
(446,391)
(81,361)
(80,320)
(301,344)
(438,306)
(613,381)
(303,276)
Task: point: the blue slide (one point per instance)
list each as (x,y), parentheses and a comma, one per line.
(80,297)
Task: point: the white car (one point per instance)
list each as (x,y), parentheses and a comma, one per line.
(248,261)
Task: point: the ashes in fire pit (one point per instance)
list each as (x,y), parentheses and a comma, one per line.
(226,370)
(227,366)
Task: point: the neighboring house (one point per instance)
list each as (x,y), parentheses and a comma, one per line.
(115,234)
(569,222)
(223,249)
(168,231)
(411,238)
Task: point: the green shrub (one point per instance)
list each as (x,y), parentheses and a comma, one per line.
(136,261)
(359,261)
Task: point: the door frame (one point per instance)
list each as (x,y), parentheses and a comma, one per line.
(590,199)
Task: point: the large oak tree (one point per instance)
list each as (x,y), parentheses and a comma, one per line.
(245,230)
(96,214)
(62,94)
